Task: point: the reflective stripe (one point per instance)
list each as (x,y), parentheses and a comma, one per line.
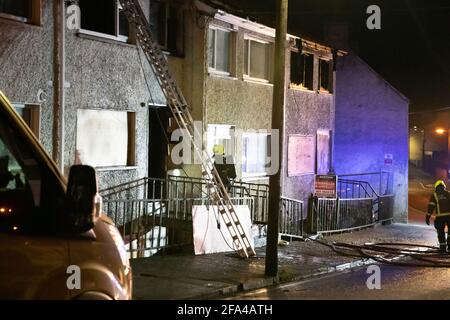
(443,214)
(438,209)
(432,204)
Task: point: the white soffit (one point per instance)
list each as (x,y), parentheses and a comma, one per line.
(248,25)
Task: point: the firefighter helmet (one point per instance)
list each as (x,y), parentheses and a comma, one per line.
(439,182)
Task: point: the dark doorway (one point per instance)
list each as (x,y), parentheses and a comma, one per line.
(158,148)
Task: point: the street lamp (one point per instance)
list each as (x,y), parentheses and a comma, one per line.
(440,131)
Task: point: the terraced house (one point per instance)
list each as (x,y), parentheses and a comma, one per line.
(102,104)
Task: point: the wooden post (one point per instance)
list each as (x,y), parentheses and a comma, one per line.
(279,92)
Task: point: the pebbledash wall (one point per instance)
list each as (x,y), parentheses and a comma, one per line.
(100,73)
(306,113)
(371,127)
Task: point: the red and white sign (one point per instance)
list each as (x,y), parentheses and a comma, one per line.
(325,186)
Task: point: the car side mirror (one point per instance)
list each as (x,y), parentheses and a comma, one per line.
(80,199)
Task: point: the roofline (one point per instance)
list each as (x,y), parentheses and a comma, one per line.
(401,95)
(256,27)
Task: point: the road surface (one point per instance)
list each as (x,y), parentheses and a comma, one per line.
(396,283)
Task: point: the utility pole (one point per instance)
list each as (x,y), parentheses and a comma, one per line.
(279,91)
(58,82)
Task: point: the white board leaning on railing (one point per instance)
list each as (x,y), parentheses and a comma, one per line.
(208,238)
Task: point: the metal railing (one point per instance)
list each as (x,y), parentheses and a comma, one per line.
(291,220)
(354,189)
(259,192)
(381,181)
(335,215)
(149,225)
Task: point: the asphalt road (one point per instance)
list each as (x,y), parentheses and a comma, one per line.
(396,283)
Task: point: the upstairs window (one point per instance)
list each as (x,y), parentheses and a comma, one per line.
(257,59)
(326,75)
(302,70)
(219,50)
(167,24)
(21,10)
(104,18)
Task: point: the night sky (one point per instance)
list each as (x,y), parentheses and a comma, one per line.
(411,50)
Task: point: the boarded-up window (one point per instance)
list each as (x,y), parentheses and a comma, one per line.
(301,155)
(323,152)
(106,138)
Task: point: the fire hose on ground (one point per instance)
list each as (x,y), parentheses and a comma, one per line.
(422,256)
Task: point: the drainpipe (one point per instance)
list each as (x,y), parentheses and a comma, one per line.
(58,82)
(333,126)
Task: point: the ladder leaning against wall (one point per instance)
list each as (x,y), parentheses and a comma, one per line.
(180,111)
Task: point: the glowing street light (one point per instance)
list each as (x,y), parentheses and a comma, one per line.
(440,131)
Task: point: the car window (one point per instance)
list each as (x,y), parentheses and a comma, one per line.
(11,173)
(30,201)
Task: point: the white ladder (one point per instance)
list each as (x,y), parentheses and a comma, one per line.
(178,106)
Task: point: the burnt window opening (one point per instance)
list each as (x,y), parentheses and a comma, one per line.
(18,8)
(302,70)
(167,24)
(326,75)
(104,17)
(27,11)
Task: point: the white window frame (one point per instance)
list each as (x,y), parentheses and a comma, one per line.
(213,70)
(250,134)
(116,37)
(247,75)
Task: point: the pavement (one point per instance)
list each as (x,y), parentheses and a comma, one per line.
(185,276)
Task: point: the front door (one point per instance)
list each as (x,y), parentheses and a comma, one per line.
(158,147)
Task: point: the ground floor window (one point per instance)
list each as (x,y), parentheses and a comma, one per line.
(31,114)
(255,154)
(221,139)
(106,138)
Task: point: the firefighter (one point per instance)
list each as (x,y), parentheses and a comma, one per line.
(224,166)
(440,204)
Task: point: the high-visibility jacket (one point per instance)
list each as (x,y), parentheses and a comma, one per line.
(439,203)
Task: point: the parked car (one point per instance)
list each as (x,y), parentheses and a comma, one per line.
(54,241)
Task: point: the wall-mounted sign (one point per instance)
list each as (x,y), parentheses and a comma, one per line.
(388,158)
(325,186)
(301,155)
